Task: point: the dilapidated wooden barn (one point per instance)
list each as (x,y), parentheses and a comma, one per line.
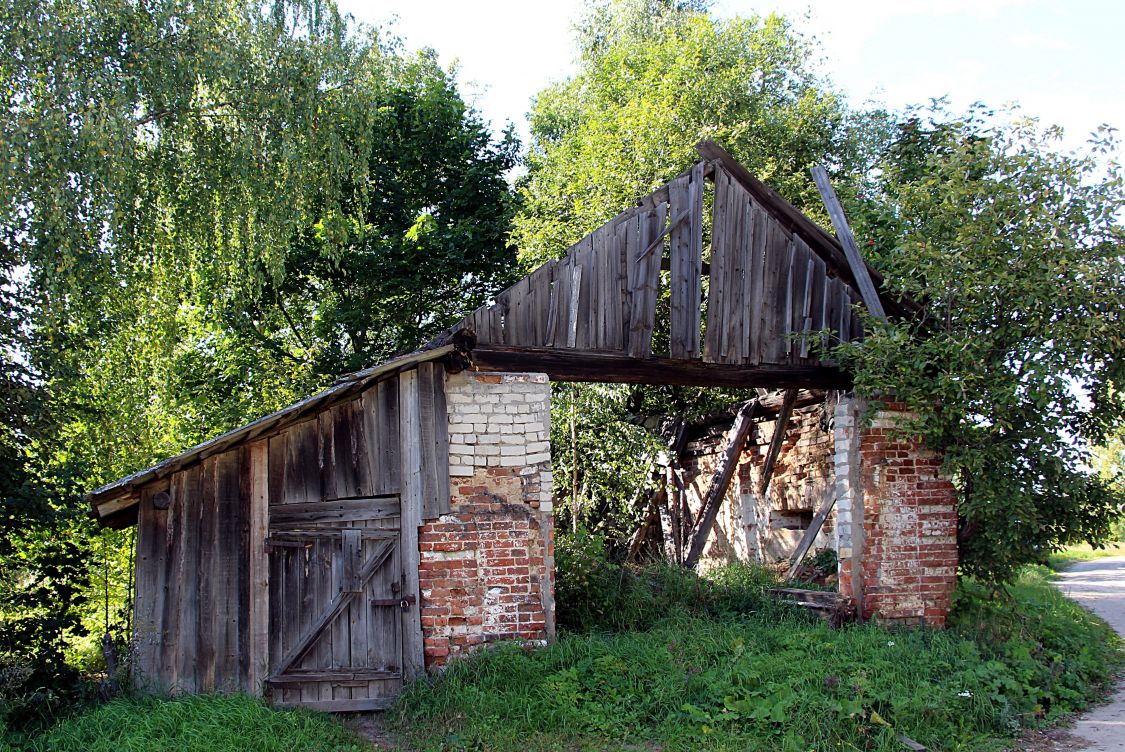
(327,553)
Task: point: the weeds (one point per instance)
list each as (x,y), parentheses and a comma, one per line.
(710,677)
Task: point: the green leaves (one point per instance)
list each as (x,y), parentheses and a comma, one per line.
(1015,250)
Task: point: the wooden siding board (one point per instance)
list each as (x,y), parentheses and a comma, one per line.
(686,262)
(149,586)
(225,556)
(412,495)
(716,291)
(210,578)
(761,227)
(189,485)
(258,570)
(173,641)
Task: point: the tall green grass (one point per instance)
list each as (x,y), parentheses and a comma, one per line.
(773,681)
(195,724)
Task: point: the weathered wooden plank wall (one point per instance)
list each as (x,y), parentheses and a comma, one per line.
(215,612)
(770,298)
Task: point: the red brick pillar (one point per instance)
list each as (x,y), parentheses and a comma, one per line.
(904,533)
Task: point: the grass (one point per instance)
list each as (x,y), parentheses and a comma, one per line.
(194,724)
(771,681)
(1060,560)
(727,670)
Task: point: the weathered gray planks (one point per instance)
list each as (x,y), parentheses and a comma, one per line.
(685,196)
(412,500)
(434,437)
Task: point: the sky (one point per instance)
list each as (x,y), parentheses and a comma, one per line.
(1063,62)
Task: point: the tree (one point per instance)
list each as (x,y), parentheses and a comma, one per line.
(1015,371)
(653,79)
(209,209)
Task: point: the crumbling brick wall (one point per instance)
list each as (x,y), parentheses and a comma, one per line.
(909,526)
(905,529)
(487,567)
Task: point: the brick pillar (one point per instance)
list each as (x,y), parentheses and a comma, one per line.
(899,514)
(487,567)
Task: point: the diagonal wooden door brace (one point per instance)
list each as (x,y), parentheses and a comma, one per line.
(338,603)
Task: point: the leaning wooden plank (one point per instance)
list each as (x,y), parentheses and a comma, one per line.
(847,240)
(728,462)
(778,439)
(810,534)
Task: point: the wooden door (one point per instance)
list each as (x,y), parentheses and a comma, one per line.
(338,603)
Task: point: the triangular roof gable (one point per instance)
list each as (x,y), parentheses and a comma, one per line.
(776,284)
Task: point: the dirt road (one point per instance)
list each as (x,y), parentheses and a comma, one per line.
(1099,585)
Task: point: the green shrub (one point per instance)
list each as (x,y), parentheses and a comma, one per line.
(594,594)
(1062,655)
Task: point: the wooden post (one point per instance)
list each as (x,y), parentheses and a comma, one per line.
(413,491)
(736,439)
(259,572)
(847,240)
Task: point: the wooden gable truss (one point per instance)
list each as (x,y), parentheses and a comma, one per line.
(774,290)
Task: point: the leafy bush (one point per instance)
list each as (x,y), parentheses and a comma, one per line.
(594,594)
(1061,655)
(195,724)
(768,681)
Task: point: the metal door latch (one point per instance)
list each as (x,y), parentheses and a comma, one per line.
(403,603)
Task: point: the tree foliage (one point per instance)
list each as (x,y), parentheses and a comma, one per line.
(653,79)
(1014,247)
(1015,372)
(208,210)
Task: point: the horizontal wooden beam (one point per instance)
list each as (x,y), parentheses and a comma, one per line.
(616,368)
